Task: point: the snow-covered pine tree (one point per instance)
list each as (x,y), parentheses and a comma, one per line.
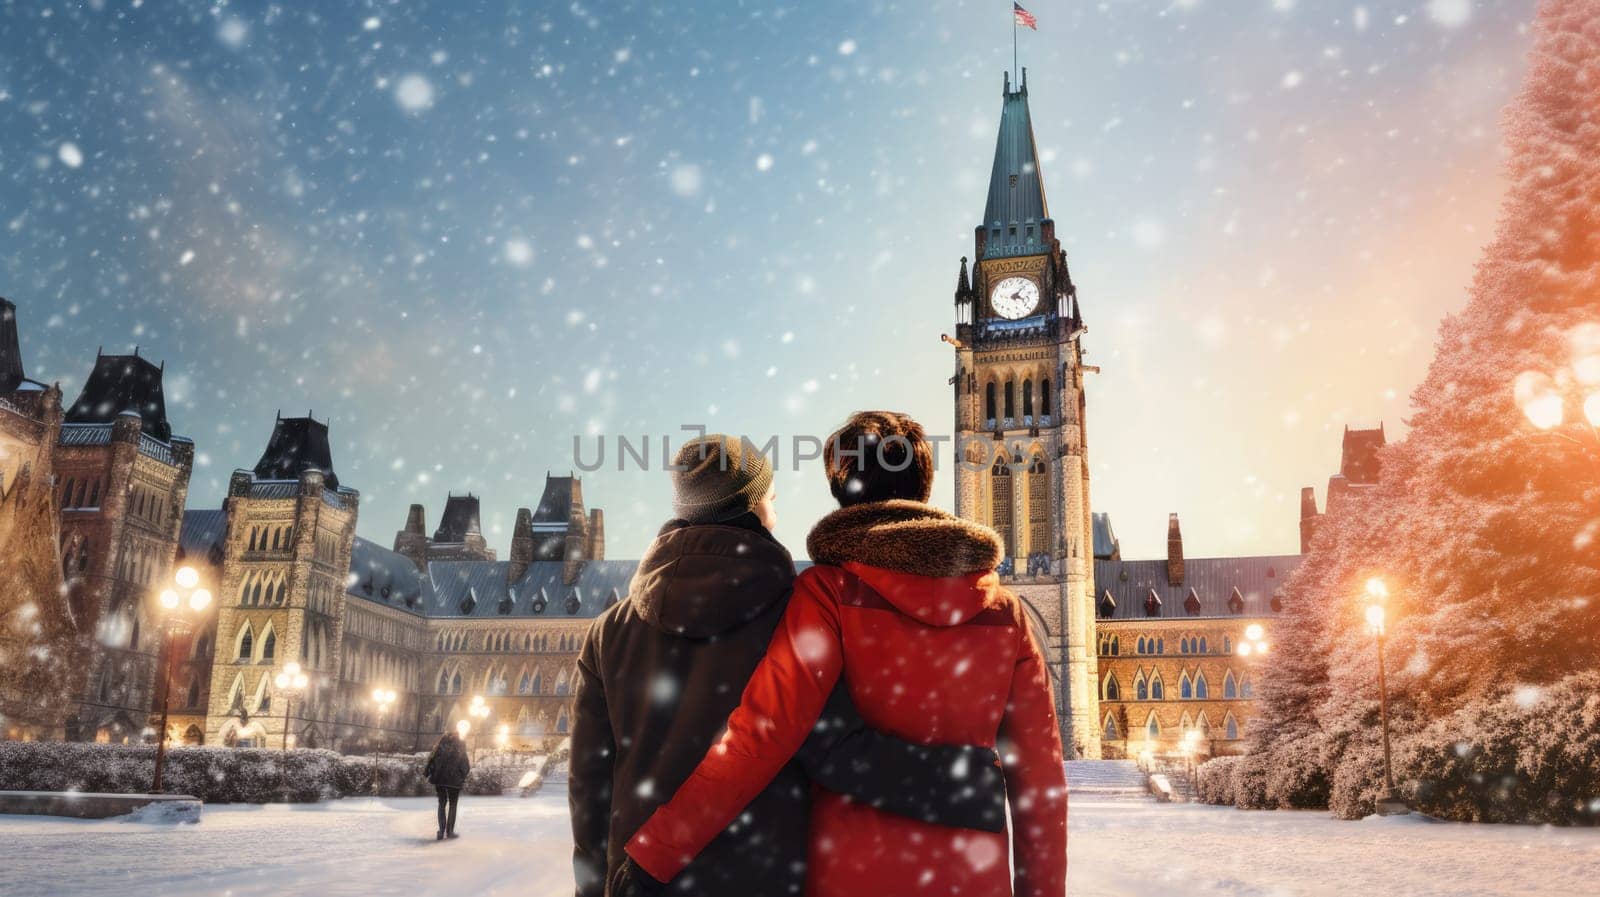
(1500,526)
(1486,529)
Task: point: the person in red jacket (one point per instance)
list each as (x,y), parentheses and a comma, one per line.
(904,600)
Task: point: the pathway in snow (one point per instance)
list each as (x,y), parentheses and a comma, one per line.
(1120,847)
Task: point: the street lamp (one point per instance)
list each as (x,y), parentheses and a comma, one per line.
(1254,641)
(181,606)
(1191,748)
(1377,594)
(1544,398)
(384,698)
(478,710)
(290,682)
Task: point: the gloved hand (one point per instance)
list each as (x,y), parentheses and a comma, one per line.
(632,881)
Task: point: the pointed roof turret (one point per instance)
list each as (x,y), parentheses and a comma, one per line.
(963,283)
(460,519)
(11,375)
(1016,186)
(298,444)
(121,383)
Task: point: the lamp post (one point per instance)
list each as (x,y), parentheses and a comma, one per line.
(1388,803)
(1191,748)
(181,606)
(290,682)
(383,698)
(479,711)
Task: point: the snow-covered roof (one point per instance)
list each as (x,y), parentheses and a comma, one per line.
(1211,581)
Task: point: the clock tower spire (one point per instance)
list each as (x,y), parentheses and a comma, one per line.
(1019,416)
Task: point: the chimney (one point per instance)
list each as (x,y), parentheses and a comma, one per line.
(597,535)
(521,545)
(412,542)
(1174,552)
(1308,517)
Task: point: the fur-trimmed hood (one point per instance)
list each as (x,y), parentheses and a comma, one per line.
(928,563)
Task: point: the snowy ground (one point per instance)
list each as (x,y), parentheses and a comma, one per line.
(514,846)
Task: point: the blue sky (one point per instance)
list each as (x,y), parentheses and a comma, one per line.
(468,232)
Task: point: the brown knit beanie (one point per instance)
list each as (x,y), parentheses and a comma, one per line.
(717,477)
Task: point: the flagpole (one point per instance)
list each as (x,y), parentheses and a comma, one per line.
(1014,46)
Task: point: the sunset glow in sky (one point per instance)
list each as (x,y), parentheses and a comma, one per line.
(468,234)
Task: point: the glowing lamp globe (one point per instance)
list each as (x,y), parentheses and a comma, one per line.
(1244,649)
(462,728)
(1254,632)
(187,577)
(1377,588)
(199,600)
(1375,617)
(169,599)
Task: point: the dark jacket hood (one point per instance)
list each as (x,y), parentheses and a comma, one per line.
(702,580)
(930,564)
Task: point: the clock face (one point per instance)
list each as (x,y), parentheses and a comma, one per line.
(1014,297)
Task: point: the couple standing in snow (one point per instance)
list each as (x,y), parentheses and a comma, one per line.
(855,730)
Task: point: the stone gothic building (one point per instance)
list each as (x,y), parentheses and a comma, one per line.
(439,621)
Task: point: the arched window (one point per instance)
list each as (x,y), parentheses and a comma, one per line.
(1202,648)
(1140,649)
(1230,689)
(94,495)
(1152,726)
(1116,646)
(538,683)
(1183,645)
(1111,728)
(244,648)
(1231,727)
(1141,688)
(66,491)
(1000,500)
(192,698)
(525,684)
(561,683)
(455,683)
(561,721)
(1161,646)
(1246,689)
(1185,687)
(1113,690)
(1157,691)
(988,401)
(1201,692)
(269,645)
(1044,397)
(444,682)
(1027,398)
(1227,644)
(1011,399)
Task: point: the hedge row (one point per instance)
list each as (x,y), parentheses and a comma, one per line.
(1531,756)
(218,774)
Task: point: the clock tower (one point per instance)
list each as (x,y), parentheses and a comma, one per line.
(1019,417)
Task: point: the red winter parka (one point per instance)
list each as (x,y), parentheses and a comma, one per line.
(905,604)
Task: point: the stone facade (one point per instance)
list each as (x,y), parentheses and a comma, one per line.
(38,638)
(1176,648)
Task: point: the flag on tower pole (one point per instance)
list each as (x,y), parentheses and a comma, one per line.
(1019,16)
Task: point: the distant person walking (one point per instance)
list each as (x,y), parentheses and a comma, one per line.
(447,771)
